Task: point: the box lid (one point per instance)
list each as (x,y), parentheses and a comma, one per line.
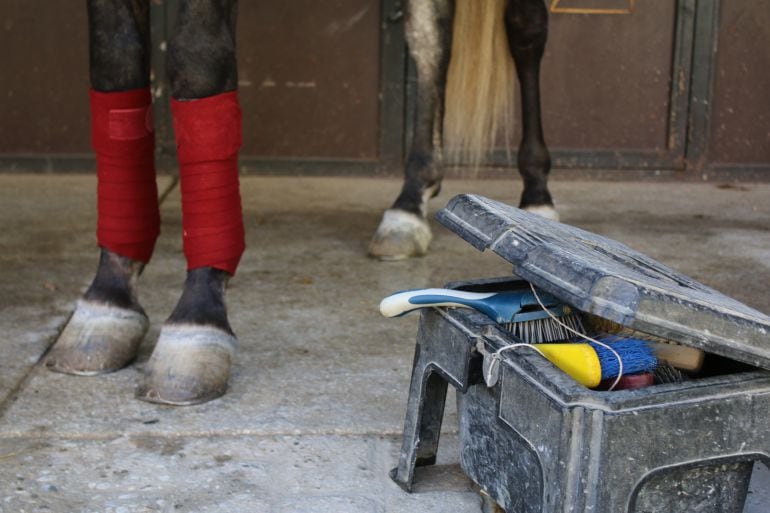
(606,278)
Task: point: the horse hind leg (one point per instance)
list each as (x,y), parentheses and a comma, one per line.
(527,29)
(404,231)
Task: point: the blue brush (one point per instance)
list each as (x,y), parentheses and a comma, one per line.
(589,364)
(517,311)
(637,356)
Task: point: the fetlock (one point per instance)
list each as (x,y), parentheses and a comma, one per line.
(108,325)
(191,361)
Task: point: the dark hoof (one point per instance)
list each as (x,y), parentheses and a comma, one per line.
(99,338)
(401,235)
(189,365)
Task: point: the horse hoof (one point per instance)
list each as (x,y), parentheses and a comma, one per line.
(547,211)
(189,365)
(99,338)
(400,235)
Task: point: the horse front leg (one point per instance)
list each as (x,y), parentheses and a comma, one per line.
(404,230)
(191,361)
(527,30)
(108,324)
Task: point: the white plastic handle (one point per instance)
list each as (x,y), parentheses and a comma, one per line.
(409,300)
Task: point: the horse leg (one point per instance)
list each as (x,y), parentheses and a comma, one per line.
(191,361)
(527,29)
(108,323)
(404,231)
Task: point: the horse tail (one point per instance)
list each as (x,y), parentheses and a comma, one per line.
(479,102)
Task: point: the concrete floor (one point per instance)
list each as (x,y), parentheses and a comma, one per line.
(313,418)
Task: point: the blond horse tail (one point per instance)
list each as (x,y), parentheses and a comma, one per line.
(480,83)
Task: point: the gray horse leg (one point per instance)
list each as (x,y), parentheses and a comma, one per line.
(404,231)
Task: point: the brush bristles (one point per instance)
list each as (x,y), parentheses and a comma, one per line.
(636,355)
(545,330)
(665,373)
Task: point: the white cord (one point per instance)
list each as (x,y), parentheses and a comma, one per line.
(496,357)
(581,335)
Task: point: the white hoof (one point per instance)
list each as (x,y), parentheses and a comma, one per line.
(400,235)
(99,338)
(546,211)
(189,365)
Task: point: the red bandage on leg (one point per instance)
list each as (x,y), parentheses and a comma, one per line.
(208,136)
(122,136)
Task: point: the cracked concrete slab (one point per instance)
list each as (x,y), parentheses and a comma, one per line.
(222,474)
(313,417)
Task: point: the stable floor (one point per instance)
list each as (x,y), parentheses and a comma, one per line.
(312,421)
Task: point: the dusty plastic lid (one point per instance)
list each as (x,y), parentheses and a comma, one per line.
(606,278)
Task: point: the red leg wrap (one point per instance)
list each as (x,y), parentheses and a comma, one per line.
(122,136)
(208,136)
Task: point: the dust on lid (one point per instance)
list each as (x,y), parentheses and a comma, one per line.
(606,278)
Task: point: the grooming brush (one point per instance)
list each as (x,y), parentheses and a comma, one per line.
(590,364)
(666,373)
(517,311)
(681,357)
(684,358)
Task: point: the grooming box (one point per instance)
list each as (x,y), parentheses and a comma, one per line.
(536,441)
